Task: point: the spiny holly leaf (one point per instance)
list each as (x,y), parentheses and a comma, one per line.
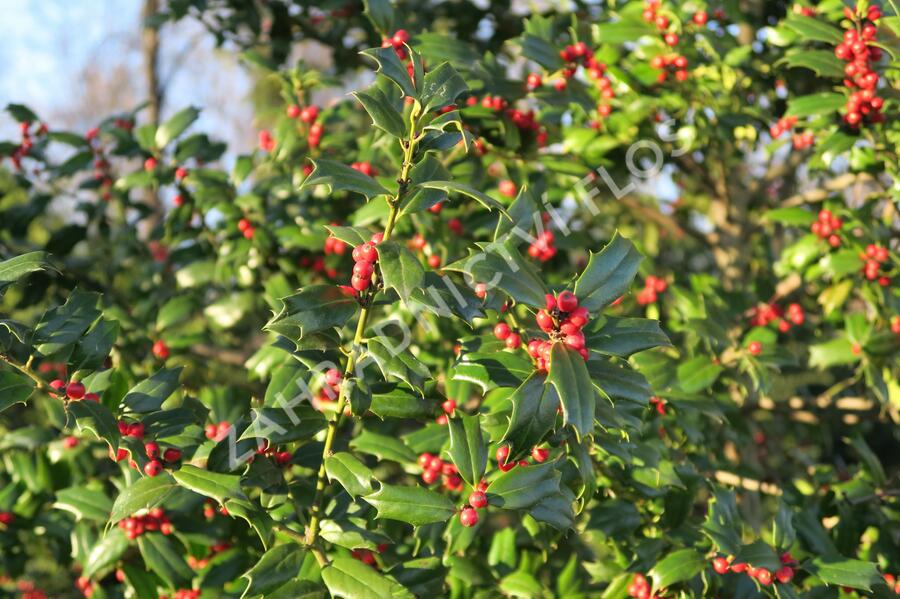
(144,493)
(390,66)
(351,579)
(822,62)
(381,13)
(384,447)
(556,509)
(163,556)
(534,406)
(400,364)
(341,177)
(94,347)
(442,86)
(351,533)
(440,295)
(423,198)
(413,505)
(381,109)
(85,502)
(277,566)
(96,418)
(501,265)
(354,476)
(352,236)
(698,374)
(314,308)
(175,126)
(759,554)
(15,268)
(821,103)
(490,370)
(608,275)
(677,567)
(149,395)
(569,375)
(524,486)
(14,388)
(461,188)
(468,449)
(63,326)
(400,269)
(106,552)
(284,425)
(622,337)
(210,484)
(814,29)
(839,571)
(390,400)
(722,523)
(619,382)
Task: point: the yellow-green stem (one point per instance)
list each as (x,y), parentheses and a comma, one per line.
(315,517)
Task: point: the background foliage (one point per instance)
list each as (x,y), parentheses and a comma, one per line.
(739,398)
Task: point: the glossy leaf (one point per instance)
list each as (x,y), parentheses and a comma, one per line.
(569,375)
(608,274)
(413,505)
(468,449)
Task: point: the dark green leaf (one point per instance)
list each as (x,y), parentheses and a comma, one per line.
(315,308)
(149,395)
(277,566)
(85,502)
(384,115)
(351,579)
(501,265)
(698,374)
(381,13)
(534,406)
(401,364)
(524,486)
(400,269)
(468,449)
(413,505)
(163,556)
(821,103)
(390,66)
(569,375)
(813,29)
(622,337)
(677,567)
(14,388)
(210,484)
(96,418)
(608,275)
(144,493)
(353,475)
(383,447)
(852,573)
(461,188)
(341,177)
(442,86)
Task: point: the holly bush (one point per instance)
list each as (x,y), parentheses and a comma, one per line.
(399,349)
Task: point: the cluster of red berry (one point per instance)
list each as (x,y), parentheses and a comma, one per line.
(367,556)
(434,467)
(504,333)
(160,350)
(84,584)
(653,286)
(7,518)
(661,21)
(795,316)
(365,256)
(397,41)
(29,590)
(859,52)
(282,458)
(827,227)
(562,320)
(184,594)
(676,64)
(246,228)
(891,581)
(801,141)
(503,462)
(217,431)
(640,587)
(330,389)
(73,390)
(874,258)
(152,521)
(210,509)
(26,144)
(200,563)
(659,404)
(542,248)
(723,565)
(266,141)
(785,123)
(365,168)
(335,246)
(596,70)
(448,406)
(806,11)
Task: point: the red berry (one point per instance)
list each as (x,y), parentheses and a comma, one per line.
(150,164)
(468,517)
(160,350)
(507,188)
(434,261)
(478,499)
(58,385)
(513,341)
(720,565)
(755,348)
(293,111)
(501,331)
(171,455)
(700,18)
(533,81)
(448,406)
(785,575)
(153,468)
(567,301)
(763,576)
(75,390)
(540,454)
(151,448)
(333,376)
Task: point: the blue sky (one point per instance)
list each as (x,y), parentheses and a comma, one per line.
(46,44)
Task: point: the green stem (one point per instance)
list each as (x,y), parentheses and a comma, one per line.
(26,370)
(315,517)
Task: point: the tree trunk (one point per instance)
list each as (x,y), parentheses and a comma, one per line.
(150,52)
